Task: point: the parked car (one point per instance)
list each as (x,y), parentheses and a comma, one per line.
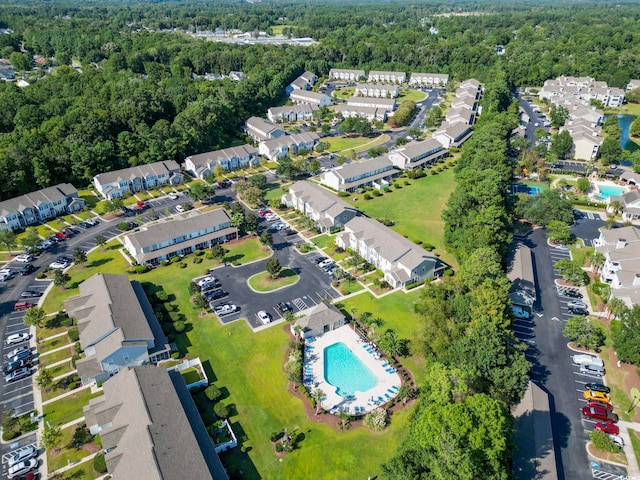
(264,317)
(215,294)
(21,468)
(597,387)
(591,369)
(31,294)
(577,304)
(16,338)
(15,365)
(93,221)
(24,355)
(279,226)
(27,269)
(70,231)
(326,263)
(24,257)
(207,287)
(597,396)
(6,275)
(179,208)
(226,309)
(204,280)
(22,306)
(18,351)
(582,358)
(598,413)
(62,235)
(58,265)
(284,307)
(271,217)
(578,311)
(264,212)
(18,375)
(570,292)
(519,312)
(173,196)
(617,440)
(290,231)
(26,453)
(319,260)
(608,428)
(606,406)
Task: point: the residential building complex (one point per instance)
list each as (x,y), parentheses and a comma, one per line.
(386,77)
(376,90)
(388,104)
(303,82)
(369,113)
(260,129)
(429,79)
(304,97)
(118,183)
(320,205)
(586,139)
(183,235)
(150,428)
(376,172)
(621,268)
(401,261)
(452,135)
(278,148)
(629,201)
(39,206)
(203,164)
(291,113)
(417,154)
(322,318)
(117,327)
(346,74)
(582,88)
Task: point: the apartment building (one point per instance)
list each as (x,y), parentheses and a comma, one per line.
(118,183)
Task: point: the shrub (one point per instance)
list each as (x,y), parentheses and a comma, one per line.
(406,182)
(131,270)
(81,436)
(77,347)
(367,196)
(212,392)
(141,269)
(175,355)
(199,253)
(182,265)
(343,194)
(377,193)
(175,259)
(197,260)
(179,327)
(278,447)
(74,359)
(376,419)
(99,463)
(171,307)
(162,296)
(74,334)
(387,189)
(274,436)
(448,272)
(602,442)
(164,263)
(175,316)
(65,320)
(221,410)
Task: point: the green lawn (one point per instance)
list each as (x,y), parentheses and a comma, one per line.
(416,210)
(277,29)
(321,241)
(339,144)
(635,442)
(245,251)
(344,92)
(65,455)
(61,369)
(84,471)
(263,283)
(51,358)
(110,261)
(345,288)
(275,193)
(397,312)
(53,343)
(89,198)
(68,408)
(411,94)
(190,375)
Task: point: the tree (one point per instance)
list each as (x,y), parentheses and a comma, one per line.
(8,239)
(250,223)
(60,278)
(597,260)
(548,206)
(610,150)
(101,241)
(45,379)
(221,410)
(583,184)
(51,438)
(34,316)
(581,331)
(540,133)
(634,129)
(21,61)
(559,232)
(393,345)
(317,397)
(602,441)
(200,190)
(626,335)
(558,115)
(31,239)
(616,307)
(258,180)
(266,238)
(561,144)
(572,272)
(287,168)
(218,252)
(79,256)
(273,267)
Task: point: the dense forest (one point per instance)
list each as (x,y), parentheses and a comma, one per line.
(136,100)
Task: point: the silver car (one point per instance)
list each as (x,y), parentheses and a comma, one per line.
(591,369)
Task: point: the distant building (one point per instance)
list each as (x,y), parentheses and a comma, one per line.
(388,104)
(370,113)
(346,74)
(181,236)
(39,206)
(291,113)
(387,77)
(376,90)
(417,154)
(203,164)
(260,129)
(621,269)
(376,172)
(278,148)
(117,183)
(310,98)
(303,82)
(429,79)
(151,429)
(453,135)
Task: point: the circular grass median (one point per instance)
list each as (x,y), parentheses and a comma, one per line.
(263,283)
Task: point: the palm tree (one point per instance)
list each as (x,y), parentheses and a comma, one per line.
(616,206)
(597,260)
(616,307)
(317,396)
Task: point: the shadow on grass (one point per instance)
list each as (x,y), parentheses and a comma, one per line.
(100,262)
(288,272)
(239,464)
(234,258)
(208,369)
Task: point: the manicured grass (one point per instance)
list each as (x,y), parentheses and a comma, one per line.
(339,144)
(190,375)
(277,29)
(321,241)
(61,369)
(84,471)
(54,357)
(344,92)
(144,195)
(410,94)
(396,310)
(89,198)
(56,342)
(263,283)
(85,215)
(416,210)
(57,224)
(68,408)
(98,261)
(276,192)
(44,231)
(345,288)
(245,251)
(100,208)
(635,442)
(65,455)
(581,254)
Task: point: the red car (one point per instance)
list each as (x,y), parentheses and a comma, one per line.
(607,406)
(62,235)
(264,212)
(599,413)
(22,306)
(609,428)
(141,205)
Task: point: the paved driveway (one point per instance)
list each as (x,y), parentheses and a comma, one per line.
(313,285)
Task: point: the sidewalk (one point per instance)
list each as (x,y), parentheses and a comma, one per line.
(633,470)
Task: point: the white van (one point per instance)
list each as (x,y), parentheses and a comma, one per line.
(583,359)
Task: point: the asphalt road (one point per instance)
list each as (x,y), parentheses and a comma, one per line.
(533,119)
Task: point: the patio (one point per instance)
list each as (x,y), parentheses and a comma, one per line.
(388,380)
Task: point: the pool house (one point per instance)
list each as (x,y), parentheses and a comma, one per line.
(321,319)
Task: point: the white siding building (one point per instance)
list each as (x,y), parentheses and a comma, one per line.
(386,77)
(310,98)
(288,144)
(136,179)
(203,164)
(376,172)
(346,74)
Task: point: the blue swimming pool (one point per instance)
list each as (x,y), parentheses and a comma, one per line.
(607,191)
(345,371)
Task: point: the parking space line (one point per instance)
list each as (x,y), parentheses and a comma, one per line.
(7,456)
(16,397)
(12,392)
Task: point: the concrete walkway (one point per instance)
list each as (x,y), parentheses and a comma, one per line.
(67,346)
(633,471)
(74,464)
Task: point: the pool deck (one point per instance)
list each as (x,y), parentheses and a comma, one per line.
(598,195)
(388,380)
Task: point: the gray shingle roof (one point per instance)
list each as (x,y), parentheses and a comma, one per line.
(318,198)
(156,428)
(140,171)
(321,315)
(206,158)
(34,199)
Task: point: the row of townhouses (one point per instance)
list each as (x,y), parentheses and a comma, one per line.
(117,183)
(401,261)
(377,76)
(621,269)
(575,95)
(304,82)
(456,128)
(379,90)
(628,201)
(291,113)
(378,172)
